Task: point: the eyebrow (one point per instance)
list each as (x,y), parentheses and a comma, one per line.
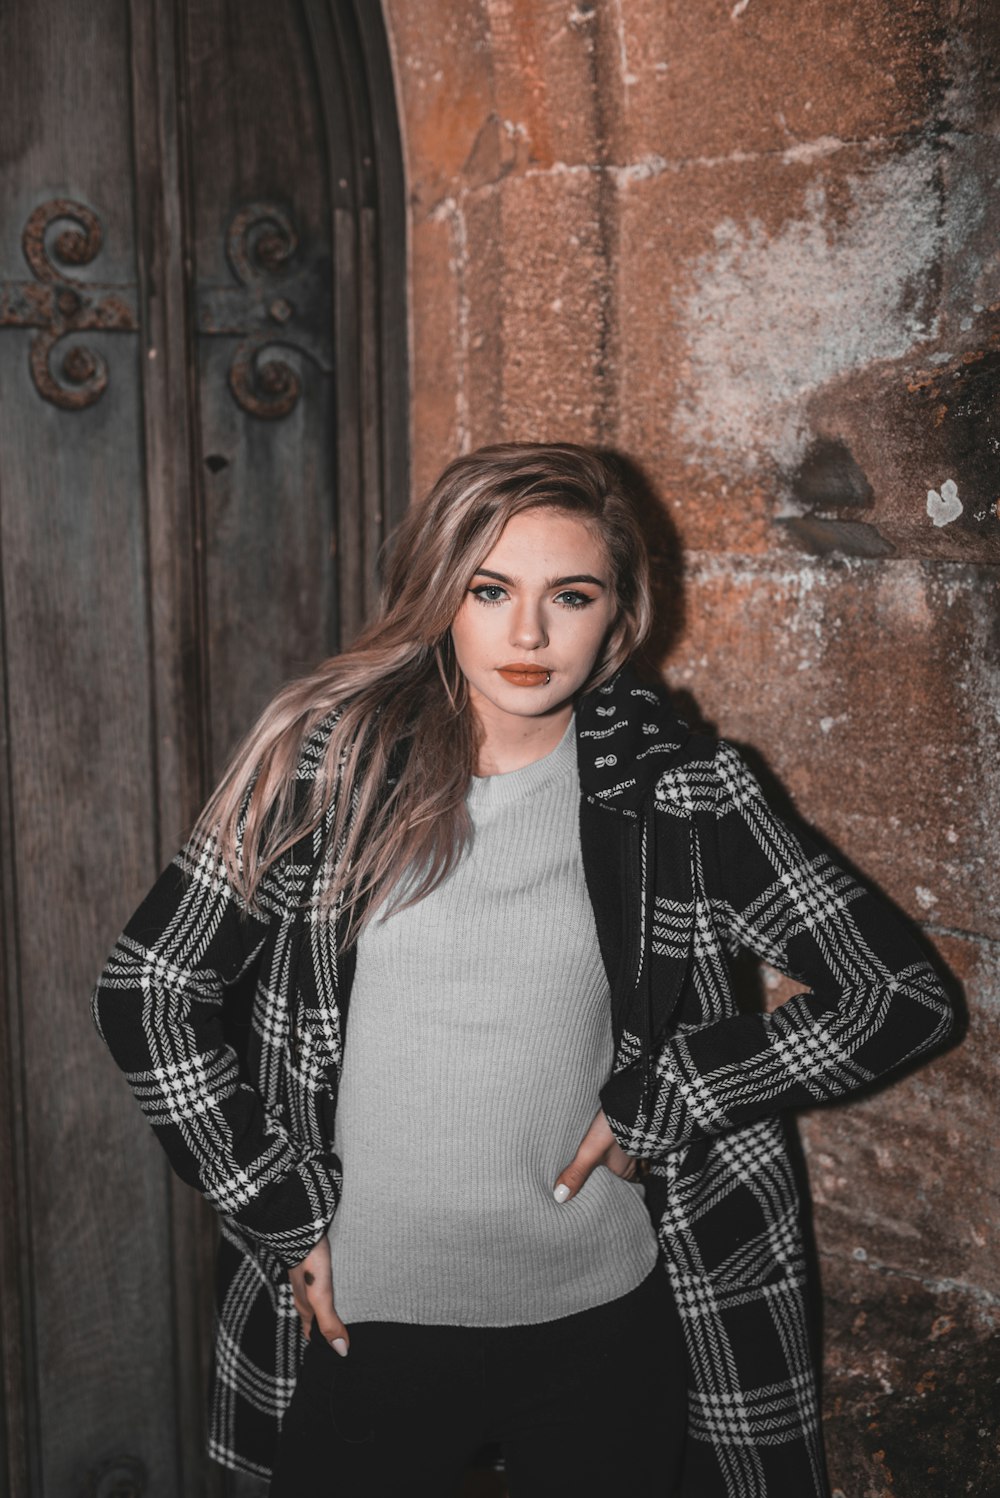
(553,582)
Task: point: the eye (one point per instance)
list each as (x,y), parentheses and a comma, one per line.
(489,593)
(571,599)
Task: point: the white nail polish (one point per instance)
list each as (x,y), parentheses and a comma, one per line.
(339,1345)
(561,1192)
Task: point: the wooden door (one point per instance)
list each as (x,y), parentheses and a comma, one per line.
(202,440)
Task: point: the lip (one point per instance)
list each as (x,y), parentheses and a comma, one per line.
(520,674)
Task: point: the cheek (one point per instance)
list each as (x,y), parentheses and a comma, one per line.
(470,628)
(592,626)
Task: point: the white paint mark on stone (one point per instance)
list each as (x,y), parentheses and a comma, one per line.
(812,150)
(945,507)
(772,318)
(926,898)
(739,8)
(628,77)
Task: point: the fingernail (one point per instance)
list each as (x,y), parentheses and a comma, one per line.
(339,1345)
(561,1192)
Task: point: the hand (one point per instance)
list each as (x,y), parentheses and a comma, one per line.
(598,1147)
(312,1291)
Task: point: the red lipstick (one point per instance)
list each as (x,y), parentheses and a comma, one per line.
(521,675)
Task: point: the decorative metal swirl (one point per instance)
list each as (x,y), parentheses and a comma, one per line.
(267,387)
(260,242)
(73,246)
(276,306)
(59,304)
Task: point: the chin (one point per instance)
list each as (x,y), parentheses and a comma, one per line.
(523,702)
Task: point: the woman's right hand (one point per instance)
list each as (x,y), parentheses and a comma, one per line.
(312,1291)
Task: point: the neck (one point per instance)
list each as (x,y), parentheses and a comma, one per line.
(509,743)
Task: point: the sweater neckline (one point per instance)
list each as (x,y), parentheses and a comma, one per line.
(516,785)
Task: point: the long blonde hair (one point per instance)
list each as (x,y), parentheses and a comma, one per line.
(397,762)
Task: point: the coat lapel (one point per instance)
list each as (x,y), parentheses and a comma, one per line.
(637,862)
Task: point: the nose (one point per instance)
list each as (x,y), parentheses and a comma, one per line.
(527,627)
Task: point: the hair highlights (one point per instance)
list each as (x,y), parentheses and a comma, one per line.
(396,766)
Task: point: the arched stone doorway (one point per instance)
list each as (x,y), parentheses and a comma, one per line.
(203,439)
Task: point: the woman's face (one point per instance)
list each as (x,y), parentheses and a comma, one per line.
(535,615)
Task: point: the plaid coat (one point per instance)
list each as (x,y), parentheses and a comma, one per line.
(686,865)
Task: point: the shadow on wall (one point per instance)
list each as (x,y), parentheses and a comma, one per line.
(666,557)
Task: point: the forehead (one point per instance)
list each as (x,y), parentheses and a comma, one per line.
(535,537)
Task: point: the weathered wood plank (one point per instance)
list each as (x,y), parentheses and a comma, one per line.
(72,551)
(269,574)
(168,556)
(173,501)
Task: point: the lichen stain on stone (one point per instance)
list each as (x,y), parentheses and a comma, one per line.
(945,507)
(770,319)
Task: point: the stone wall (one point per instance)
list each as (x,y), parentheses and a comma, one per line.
(754,246)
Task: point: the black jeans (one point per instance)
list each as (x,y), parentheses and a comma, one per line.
(587,1406)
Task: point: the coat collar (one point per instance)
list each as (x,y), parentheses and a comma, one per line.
(627,733)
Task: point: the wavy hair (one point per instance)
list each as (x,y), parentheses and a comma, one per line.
(396,765)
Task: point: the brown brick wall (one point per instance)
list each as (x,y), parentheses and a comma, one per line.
(753,246)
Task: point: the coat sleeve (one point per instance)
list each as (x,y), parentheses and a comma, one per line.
(158,1005)
(872,1003)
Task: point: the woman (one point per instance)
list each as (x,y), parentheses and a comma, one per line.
(527,877)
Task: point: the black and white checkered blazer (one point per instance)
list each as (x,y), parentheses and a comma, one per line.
(686,866)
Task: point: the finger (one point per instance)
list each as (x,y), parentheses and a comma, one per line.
(330,1325)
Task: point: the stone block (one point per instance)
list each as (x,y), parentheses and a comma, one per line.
(971,58)
(548,312)
(872,691)
(749,299)
(445,89)
(911,1383)
(923,431)
(546,83)
(736,78)
(906,1180)
(436,362)
(923,438)
(484,283)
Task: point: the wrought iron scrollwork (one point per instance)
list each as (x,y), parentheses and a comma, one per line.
(276,306)
(60,305)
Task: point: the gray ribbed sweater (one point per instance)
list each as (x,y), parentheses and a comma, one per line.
(478,1039)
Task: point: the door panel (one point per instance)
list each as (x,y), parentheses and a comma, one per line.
(178,473)
(80,772)
(260,229)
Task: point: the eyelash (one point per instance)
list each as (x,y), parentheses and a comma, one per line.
(582,599)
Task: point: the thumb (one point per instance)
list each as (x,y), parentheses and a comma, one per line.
(572,1179)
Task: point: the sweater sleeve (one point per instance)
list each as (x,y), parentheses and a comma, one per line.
(871,1004)
(158,1005)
